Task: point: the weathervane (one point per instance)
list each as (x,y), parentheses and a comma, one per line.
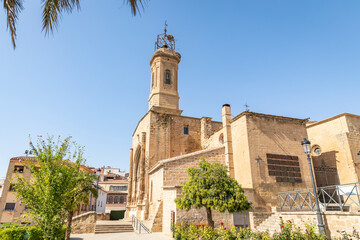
(246,107)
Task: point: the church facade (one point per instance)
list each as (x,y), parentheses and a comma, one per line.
(261,151)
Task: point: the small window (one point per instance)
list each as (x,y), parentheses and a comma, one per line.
(121,199)
(221,138)
(9,207)
(152,79)
(186,130)
(111,199)
(18,169)
(12,187)
(116,199)
(167,77)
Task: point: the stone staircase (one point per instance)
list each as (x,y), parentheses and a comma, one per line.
(117,226)
(272,223)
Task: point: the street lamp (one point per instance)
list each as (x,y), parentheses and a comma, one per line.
(357,163)
(98,171)
(307,149)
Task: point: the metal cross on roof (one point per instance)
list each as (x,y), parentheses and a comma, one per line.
(165,30)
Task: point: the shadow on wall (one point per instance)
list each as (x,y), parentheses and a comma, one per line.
(325,167)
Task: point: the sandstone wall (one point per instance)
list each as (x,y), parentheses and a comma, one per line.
(334,221)
(339,140)
(175,171)
(174,174)
(156,191)
(256,135)
(86,222)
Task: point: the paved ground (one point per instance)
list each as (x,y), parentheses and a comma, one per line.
(122,236)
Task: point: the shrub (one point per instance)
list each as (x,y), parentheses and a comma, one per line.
(35,233)
(288,232)
(15,233)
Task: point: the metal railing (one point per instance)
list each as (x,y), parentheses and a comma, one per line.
(138,226)
(343,197)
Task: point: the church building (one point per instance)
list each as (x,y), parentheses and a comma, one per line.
(262,152)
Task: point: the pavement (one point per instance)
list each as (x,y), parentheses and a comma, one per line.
(122,236)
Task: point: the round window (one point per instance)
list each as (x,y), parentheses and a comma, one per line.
(317,150)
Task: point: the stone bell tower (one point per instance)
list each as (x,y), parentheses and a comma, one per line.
(164,96)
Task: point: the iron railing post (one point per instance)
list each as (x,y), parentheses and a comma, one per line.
(339,196)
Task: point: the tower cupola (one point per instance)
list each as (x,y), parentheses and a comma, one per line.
(164,96)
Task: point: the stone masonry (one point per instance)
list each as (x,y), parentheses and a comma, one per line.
(262,152)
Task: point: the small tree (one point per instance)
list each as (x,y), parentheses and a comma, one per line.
(58,184)
(211,187)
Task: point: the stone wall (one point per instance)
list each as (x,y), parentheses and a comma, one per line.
(256,135)
(175,171)
(86,222)
(256,218)
(334,221)
(339,140)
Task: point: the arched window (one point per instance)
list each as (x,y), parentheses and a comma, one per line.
(111,199)
(221,138)
(152,79)
(121,199)
(116,199)
(167,77)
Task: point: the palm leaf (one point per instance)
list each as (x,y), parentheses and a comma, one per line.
(12,8)
(134,5)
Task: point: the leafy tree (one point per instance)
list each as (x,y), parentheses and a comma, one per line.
(52,11)
(59,182)
(211,187)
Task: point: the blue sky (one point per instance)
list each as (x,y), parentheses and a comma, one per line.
(91,78)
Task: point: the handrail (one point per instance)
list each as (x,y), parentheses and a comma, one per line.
(138,226)
(335,197)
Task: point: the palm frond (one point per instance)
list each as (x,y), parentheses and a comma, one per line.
(135,6)
(52,10)
(12,8)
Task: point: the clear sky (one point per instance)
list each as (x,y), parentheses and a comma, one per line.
(91,78)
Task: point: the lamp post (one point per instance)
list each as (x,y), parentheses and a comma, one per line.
(98,171)
(306,146)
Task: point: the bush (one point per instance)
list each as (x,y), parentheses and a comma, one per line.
(15,233)
(288,232)
(35,233)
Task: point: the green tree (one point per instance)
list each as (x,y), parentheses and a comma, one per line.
(211,187)
(59,182)
(51,12)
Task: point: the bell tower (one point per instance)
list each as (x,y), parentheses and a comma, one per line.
(164,96)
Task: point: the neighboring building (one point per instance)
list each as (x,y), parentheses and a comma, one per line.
(1,186)
(11,208)
(262,152)
(117,191)
(108,173)
(95,204)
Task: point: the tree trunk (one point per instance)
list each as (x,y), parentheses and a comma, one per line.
(209,217)
(68,225)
